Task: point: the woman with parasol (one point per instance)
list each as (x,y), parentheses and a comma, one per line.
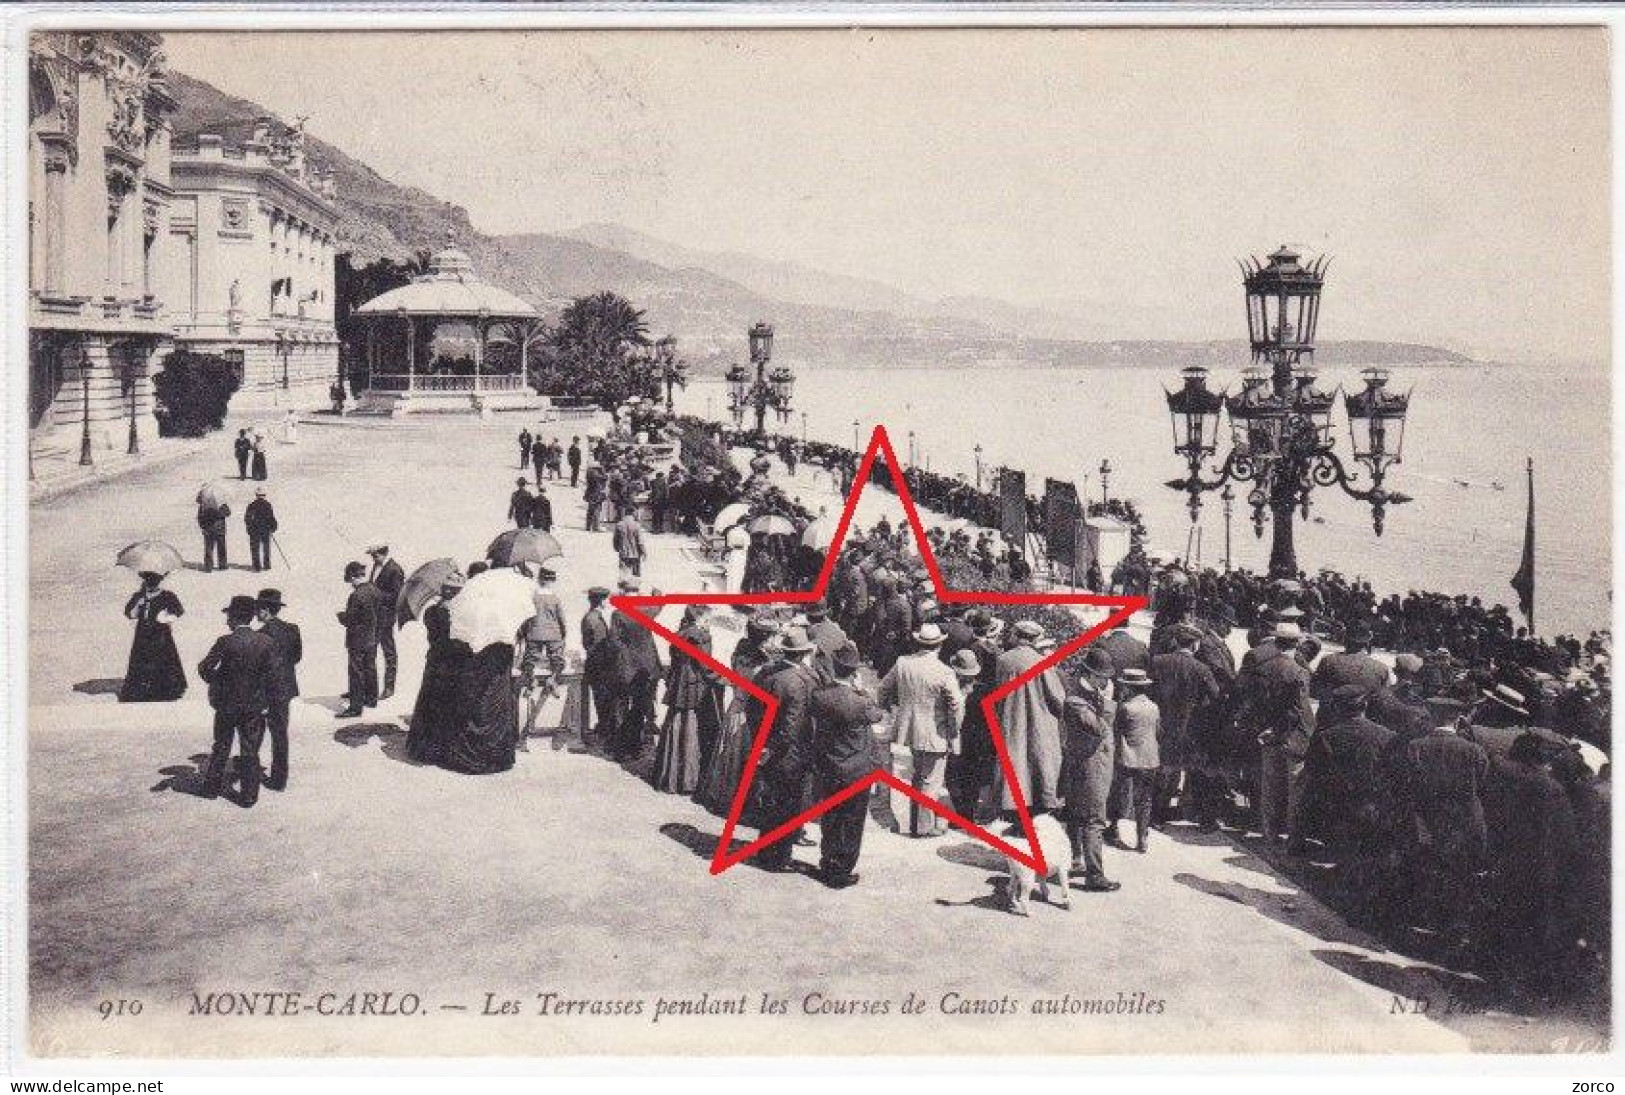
(154,674)
(439,704)
(719,782)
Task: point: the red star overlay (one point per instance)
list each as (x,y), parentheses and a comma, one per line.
(722,859)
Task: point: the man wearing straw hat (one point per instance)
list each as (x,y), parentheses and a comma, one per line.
(927,707)
(239,669)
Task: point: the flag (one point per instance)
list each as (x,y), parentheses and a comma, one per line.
(1524,581)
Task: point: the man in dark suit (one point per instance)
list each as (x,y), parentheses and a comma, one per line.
(598,665)
(1443,780)
(1348,779)
(628,540)
(842,718)
(636,673)
(242,447)
(784,764)
(388,577)
(284,685)
(574,456)
(1184,690)
(1127,652)
(541,510)
(260,520)
(593,496)
(361,620)
(211,518)
(524,447)
(538,457)
(1354,665)
(1401,708)
(239,669)
(1274,696)
(520,503)
(826,634)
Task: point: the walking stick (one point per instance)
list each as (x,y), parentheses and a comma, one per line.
(278,545)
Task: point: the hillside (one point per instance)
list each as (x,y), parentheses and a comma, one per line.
(709,299)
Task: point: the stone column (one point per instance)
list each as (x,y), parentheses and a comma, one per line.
(56,181)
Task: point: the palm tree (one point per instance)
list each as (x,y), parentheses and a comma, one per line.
(594,352)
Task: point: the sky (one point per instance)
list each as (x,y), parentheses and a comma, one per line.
(1458,177)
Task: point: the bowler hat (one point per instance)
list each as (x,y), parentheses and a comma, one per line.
(598,591)
(521,482)
(270,598)
(1444,710)
(546,574)
(1098,662)
(846,658)
(241,605)
(1186,633)
(818,610)
(353,570)
(966,664)
(629,585)
(794,640)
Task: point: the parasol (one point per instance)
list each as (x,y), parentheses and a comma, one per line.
(491,608)
(958,524)
(422,587)
(737,538)
(211,495)
(150,557)
(772,524)
(819,532)
(731,514)
(523,545)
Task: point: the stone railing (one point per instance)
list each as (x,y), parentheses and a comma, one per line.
(403,382)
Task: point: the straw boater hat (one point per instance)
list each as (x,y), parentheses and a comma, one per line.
(929,635)
(1029,630)
(1134,678)
(1287,632)
(1507,697)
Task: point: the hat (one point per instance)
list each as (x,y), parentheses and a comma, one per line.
(846,658)
(598,591)
(1407,665)
(353,570)
(1134,678)
(453,581)
(1286,632)
(546,574)
(1098,662)
(1507,697)
(628,585)
(1345,694)
(270,598)
(966,664)
(376,547)
(241,605)
(760,627)
(818,610)
(929,635)
(794,640)
(259,492)
(1184,633)
(1290,612)
(928,607)
(1030,630)
(1444,710)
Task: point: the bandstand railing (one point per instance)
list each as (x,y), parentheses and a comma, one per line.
(417,382)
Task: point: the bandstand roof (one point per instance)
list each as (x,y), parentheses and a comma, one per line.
(449,289)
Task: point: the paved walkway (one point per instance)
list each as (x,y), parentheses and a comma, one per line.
(569,875)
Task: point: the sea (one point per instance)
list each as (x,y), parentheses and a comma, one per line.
(1469,431)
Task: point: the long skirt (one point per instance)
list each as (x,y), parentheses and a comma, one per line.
(439,704)
(258,469)
(154,674)
(677,756)
(486,735)
(719,783)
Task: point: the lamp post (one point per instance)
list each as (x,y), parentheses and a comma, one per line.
(803,427)
(1280,423)
(857,445)
(1228,497)
(913,458)
(130,380)
(85,458)
(769,390)
(1105,481)
(672,372)
(978,451)
(282,348)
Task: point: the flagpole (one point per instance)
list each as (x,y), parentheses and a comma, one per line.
(1529,466)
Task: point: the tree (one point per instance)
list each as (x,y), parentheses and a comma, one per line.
(192,391)
(594,352)
(353,286)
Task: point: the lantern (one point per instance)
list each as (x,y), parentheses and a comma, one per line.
(761,342)
(666,349)
(738,382)
(1283,306)
(1194,410)
(783,383)
(1377,421)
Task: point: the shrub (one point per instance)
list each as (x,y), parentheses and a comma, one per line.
(192,391)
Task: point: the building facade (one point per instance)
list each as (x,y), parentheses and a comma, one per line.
(99,198)
(251,234)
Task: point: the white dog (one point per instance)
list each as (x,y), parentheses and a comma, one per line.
(1057,849)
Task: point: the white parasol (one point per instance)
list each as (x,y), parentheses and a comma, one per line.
(492,607)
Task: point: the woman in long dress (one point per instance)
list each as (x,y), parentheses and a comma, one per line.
(719,783)
(485,736)
(693,711)
(257,468)
(440,697)
(154,674)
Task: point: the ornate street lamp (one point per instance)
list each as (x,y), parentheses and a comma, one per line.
(1280,423)
(1106,479)
(1228,497)
(978,453)
(130,379)
(738,391)
(773,391)
(85,457)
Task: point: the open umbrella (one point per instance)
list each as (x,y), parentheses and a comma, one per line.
(737,537)
(523,545)
(819,532)
(772,524)
(423,586)
(731,514)
(212,495)
(150,557)
(958,524)
(491,608)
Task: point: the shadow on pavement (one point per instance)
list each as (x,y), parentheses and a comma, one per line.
(701,843)
(1293,909)
(100,686)
(1443,992)
(390,736)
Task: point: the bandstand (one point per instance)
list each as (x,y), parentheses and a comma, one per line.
(447,342)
